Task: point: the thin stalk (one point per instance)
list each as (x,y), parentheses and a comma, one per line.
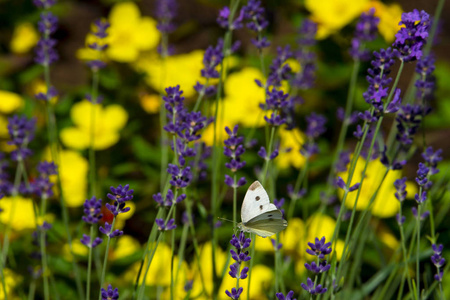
(234,202)
(163,113)
(31,292)
(43,252)
(3,279)
(301,176)
(15,193)
(105,260)
(171,262)
(152,253)
(419,211)
(92,170)
(348,110)
(405,258)
(88,277)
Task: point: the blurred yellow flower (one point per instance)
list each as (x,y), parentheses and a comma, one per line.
(11,281)
(24,38)
(240,105)
(126,245)
(78,249)
(385,204)
(291,142)
(108,122)
(18,213)
(332,15)
(390,15)
(10,102)
(73,170)
(3,127)
(162,74)
(150,103)
(130,33)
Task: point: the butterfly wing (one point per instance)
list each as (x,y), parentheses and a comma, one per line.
(256,202)
(266,224)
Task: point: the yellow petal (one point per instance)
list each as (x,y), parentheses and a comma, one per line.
(24,38)
(114,117)
(10,102)
(146,35)
(18,212)
(124,13)
(122,53)
(74,138)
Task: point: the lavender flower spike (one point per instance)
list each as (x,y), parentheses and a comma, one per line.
(109,293)
(319,248)
(289,296)
(312,289)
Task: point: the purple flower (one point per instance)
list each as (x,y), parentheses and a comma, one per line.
(100,45)
(289,296)
(420,198)
(426,82)
(254,13)
(311,288)
(46,4)
(108,231)
(165,13)
(411,37)
(109,293)
(366,31)
(316,125)
(119,195)
(400,219)
(279,69)
(239,255)
(341,184)
(223,19)
(86,240)
(276,246)
(263,154)
(408,121)
(422,174)
(235,184)
(92,210)
(279,204)
(318,268)
(45,49)
(343,161)
(234,294)
(423,216)
(165,226)
(432,158)
(400,186)
(212,58)
(319,248)
(50,94)
(21,130)
(305,77)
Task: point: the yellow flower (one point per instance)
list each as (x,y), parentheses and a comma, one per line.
(150,103)
(291,142)
(126,246)
(130,33)
(332,15)
(24,38)
(4,127)
(11,281)
(18,212)
(78,249)
(73,170)
(108,122)
(162,74)
(10,102)
(390,15)
(385,204)
(240,105)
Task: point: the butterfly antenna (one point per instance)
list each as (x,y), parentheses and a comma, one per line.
(225,219)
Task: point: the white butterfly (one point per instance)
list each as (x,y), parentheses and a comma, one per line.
(258,214)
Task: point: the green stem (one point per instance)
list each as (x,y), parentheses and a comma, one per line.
(88,277)
(172,257)
(32,290)
(405,258)
(92,170)
(234,201)
(419,211)
(105,260)
(43,252)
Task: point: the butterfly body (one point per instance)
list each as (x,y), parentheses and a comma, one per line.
(258,214)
